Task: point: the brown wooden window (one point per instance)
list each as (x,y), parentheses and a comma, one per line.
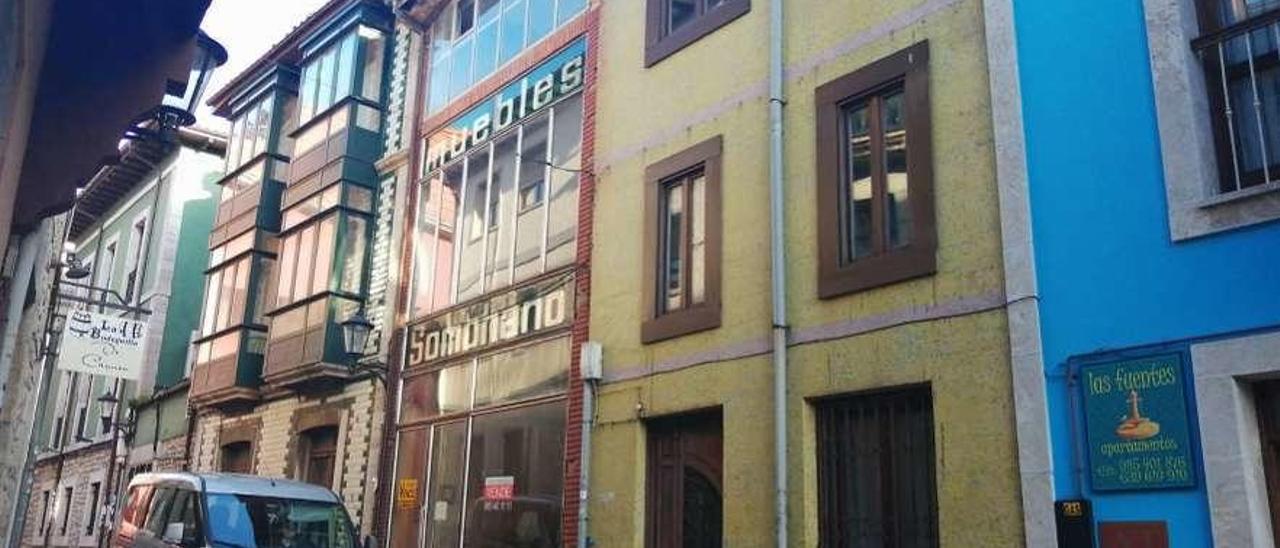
(673,24)
(876,485)
(1267,396)
(684,504)
(682,243)
(1239,47)
(318,450)
(875,181)
(237,457)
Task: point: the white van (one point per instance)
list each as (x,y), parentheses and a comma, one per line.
(231,510)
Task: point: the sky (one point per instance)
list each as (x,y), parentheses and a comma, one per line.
(247,28)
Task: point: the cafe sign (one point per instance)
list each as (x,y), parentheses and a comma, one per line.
(519,313)
(1136,424)
(557,77)
(102,344)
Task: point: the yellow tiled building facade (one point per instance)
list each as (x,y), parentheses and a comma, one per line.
(932,344)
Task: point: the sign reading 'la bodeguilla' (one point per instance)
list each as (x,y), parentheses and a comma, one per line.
(507,316)
(559,76)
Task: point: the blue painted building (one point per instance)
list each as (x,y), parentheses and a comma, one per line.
(1153,197)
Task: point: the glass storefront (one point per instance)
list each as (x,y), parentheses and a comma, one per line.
(496,426)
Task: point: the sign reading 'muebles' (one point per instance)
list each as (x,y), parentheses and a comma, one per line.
(557,77)
(101,344)
(508,316)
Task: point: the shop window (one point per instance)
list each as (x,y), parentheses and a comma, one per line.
(515,477)
(876,482)
(471,39)
(493,218)
(682,243)
(671,25)
(237,457)
(684,481)
(875,188)
(317,453)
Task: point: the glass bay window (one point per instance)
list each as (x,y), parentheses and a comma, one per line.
(471,39)
(348,66)
(232,303)
(320,278)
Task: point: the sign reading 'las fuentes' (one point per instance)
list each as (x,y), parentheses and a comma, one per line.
(100,344)
(1137,425)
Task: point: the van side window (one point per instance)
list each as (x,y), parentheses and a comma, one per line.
(180,524)
(135,510)
(160,503)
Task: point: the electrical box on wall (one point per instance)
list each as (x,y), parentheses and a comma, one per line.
(1075,523)
(591,357)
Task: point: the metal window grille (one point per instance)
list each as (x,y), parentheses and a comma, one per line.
(876,470)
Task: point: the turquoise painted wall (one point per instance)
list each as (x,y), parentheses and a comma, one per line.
(1109,275)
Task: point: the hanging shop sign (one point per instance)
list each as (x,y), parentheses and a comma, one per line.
(1136,424)
(101,344)
(522,312)
(557,77)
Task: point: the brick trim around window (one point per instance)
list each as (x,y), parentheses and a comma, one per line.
(660,326)
(909,69)
(660,44)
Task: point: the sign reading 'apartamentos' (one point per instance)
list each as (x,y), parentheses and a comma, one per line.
(101,344)
(505,317)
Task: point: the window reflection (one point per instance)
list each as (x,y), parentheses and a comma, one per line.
(517,216)
(523,448)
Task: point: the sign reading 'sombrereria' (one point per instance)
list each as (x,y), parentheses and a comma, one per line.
(101,344)
(558,76)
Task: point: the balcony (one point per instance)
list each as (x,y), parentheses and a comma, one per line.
(228,370)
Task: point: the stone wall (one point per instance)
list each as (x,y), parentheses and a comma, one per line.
(18,414)
(273,429)
(68,525)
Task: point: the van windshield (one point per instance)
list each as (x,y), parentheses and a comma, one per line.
(244,521)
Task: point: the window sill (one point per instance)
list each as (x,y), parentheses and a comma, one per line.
(680,323)
(660,48)
(872,272)
(1239,195)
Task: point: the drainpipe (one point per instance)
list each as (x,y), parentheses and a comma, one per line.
(779,272)
(590,367)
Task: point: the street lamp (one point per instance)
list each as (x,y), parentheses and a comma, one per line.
(177,108)
(75,268)
(355,335)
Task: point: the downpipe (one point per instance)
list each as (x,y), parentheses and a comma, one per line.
(778,269)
